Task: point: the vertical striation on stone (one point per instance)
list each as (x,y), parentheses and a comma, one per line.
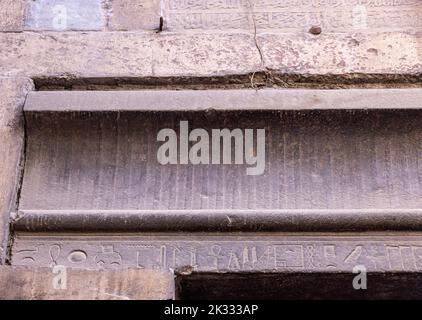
(314,160)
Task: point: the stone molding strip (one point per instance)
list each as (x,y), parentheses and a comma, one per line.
(312,220)
(192,100)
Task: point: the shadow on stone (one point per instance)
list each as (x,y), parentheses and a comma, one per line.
(301,286)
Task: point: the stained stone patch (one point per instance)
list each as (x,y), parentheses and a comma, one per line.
(61,15)
(59,283)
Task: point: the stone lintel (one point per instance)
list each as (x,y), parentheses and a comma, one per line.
(203,100)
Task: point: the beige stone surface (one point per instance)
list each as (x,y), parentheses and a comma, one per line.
(135,15)
(119,54)
(12,15)
(132,54)
(13,93)
(43,284)
(343,53)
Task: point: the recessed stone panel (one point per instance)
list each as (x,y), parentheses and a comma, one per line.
(313,160)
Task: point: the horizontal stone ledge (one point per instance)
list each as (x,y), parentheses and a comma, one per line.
(217,220)
(143,54)
(42,283)
(229,252)
(194,100)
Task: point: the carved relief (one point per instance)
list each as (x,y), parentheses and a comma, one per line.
(332,15)
(108,258)
(54,253)
(272,254)
(77,256)
(26,256)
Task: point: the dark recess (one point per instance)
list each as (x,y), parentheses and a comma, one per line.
(302,286)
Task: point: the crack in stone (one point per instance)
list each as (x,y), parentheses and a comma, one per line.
(261,56)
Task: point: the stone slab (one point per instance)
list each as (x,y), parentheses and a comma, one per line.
(13,93)
(40,284)
(12,13)
(203,100)
(246,252)
(139,55)
(61,15)
(122,54)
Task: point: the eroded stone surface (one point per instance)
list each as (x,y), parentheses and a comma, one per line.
(357,53)
(12,98)
(128,284)
(12,15)
(125,54)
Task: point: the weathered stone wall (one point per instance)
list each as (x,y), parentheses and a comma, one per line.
(86,44)
(118,39)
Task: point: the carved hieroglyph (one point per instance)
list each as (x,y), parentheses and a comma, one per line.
(249,252)
(293,15)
